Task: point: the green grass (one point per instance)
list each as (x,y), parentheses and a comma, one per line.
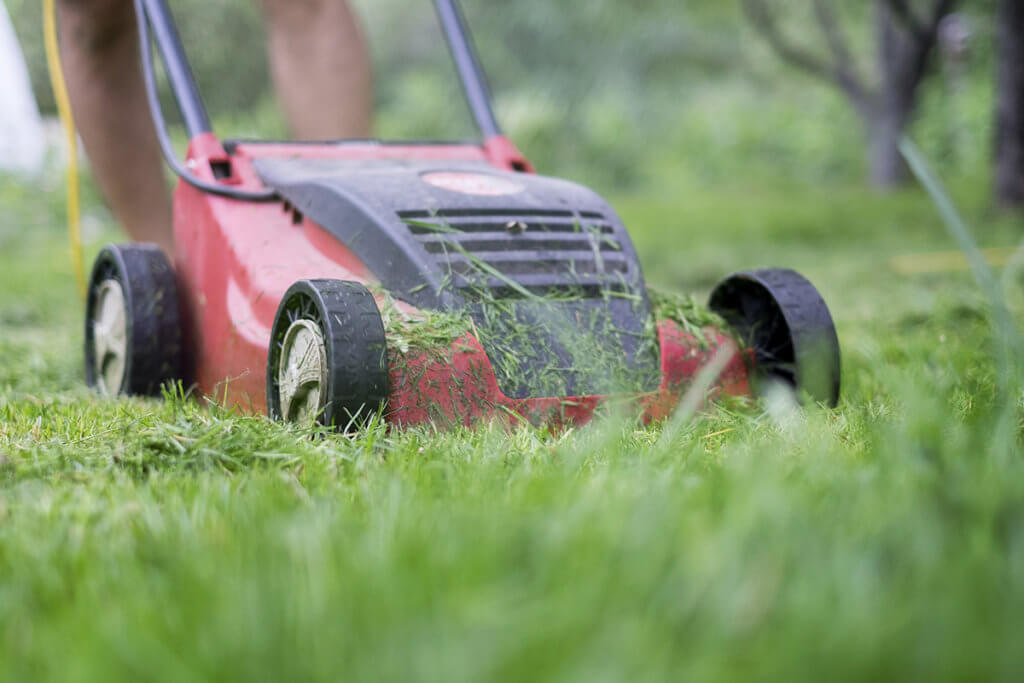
(170,540)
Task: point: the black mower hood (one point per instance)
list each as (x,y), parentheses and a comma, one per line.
(544,267)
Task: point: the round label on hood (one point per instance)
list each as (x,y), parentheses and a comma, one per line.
(472,183)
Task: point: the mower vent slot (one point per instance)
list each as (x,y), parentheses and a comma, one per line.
(506,226)
(505,292)
(558,265)
(513,222)
(458,213)
(501,241)
(587,287)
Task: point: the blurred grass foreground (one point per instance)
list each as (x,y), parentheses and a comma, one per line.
(173,540)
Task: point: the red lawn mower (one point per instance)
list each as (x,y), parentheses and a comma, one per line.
(293,260)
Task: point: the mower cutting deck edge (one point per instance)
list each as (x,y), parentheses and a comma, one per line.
(293,261)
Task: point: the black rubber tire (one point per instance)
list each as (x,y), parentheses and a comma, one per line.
(356,349)
(154,354)
(786,322)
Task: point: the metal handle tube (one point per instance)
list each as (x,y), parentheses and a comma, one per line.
(179,74)
(474,82)
(198,119)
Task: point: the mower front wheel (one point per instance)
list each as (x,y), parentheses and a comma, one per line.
(328,357)
(133,339)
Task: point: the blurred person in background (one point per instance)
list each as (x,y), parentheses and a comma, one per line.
(318,58)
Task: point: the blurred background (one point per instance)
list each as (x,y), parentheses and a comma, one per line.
(729,133)
(626,95)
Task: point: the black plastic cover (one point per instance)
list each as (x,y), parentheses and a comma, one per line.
(543,266)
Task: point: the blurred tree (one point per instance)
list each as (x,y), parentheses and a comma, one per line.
(905,38)
(1009,152)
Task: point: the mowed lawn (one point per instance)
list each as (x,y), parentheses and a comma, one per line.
(172,540)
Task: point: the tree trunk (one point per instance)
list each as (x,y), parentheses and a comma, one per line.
(1009,153)
(884,131)
(894,102)
(904,53)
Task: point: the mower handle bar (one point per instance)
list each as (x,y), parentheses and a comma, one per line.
(157,15)
(467,63)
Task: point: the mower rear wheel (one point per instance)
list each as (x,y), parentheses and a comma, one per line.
(133,340)
(328,358)
(783,318)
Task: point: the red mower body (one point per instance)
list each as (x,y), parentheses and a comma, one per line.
(235,261)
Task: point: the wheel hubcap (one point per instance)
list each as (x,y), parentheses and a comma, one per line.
(110,338)
(302,372)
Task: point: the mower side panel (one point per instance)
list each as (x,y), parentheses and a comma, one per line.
(234,261)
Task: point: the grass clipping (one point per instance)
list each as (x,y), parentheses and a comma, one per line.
(692,318)
(562,341)
(434,332)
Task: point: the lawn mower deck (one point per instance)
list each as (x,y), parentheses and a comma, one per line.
(302,271)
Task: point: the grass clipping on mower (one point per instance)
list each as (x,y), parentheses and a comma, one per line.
(504,336)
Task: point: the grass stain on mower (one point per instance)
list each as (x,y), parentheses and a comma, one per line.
(439,282)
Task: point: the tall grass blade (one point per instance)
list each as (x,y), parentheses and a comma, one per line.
(1008,340)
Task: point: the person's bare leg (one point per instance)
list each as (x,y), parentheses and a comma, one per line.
(321,68)
(99,51)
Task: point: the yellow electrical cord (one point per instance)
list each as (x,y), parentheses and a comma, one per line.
(60,92)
